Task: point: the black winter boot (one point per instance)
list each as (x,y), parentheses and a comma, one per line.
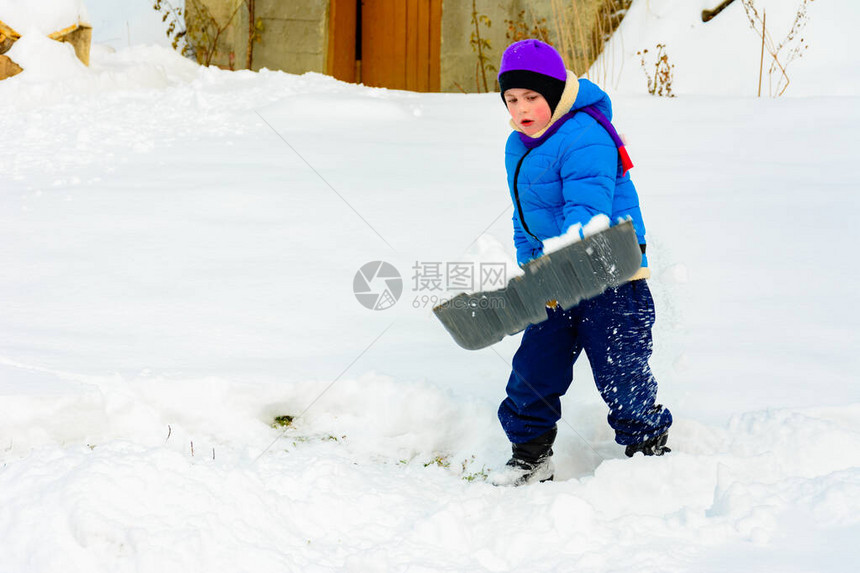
(653,447)
(531,462)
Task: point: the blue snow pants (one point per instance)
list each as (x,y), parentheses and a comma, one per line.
(614,329)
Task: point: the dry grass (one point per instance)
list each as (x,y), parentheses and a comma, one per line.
(782,53)
(582,33)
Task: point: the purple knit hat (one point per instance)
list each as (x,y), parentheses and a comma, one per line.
(533,65)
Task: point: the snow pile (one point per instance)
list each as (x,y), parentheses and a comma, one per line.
(42,16)
(53,72)
(722,56)
(44,59)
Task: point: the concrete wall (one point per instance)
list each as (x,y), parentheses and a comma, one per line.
(293,38)
(197,19)
(459,60)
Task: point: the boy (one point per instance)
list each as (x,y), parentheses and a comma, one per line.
(565,165)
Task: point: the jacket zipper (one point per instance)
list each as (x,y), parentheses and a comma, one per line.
(517,195)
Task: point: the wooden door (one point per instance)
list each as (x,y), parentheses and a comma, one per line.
(343,24)
(401,44)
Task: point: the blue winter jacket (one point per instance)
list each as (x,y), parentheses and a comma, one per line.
(571,176)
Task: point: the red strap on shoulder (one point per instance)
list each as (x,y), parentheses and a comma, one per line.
(626,163)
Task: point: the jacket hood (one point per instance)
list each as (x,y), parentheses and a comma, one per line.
(590,94)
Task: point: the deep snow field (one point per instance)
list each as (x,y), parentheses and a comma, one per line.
(177,253)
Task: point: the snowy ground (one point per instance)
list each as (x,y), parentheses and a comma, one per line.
(177,254)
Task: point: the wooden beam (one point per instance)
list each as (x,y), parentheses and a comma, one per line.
(708,15)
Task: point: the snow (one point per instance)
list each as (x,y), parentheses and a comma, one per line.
(722,56)
(42,16)
(576,233)
(177,253)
